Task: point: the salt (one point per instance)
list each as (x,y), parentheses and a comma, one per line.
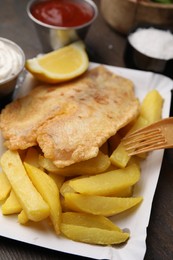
(153,42)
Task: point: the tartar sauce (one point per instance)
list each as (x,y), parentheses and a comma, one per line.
(11,60)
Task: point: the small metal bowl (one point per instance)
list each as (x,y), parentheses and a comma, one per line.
(136,59)
(54,37)
(9,77)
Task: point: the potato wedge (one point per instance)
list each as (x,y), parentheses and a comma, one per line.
(49,191)
(91,166)
(58,179)
(134,160)
(120,157)
(93,235)
(127,192)
(11,205)
(66,188)
(151,107)
(151,111)
(22,218)
(47,164)
(88,220)
(5,186)
(99,205)
(107,183)
(29,198)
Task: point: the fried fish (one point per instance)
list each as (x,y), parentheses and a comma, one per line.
(71,121)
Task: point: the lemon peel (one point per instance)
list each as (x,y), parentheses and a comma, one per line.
(60,65)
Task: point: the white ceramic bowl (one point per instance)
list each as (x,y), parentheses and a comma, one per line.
(12,61)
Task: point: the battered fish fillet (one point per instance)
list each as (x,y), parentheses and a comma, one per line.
(70,121)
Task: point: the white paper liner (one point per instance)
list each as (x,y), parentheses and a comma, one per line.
(136,220)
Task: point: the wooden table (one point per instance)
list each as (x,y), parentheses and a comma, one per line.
(106,46)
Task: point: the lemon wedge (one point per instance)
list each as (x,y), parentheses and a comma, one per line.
(60,65)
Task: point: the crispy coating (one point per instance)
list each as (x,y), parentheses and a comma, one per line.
(71,121)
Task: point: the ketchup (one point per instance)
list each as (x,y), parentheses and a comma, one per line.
(63,13)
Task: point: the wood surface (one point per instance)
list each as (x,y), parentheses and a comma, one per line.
(123,15)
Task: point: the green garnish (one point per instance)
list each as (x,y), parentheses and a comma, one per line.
(163,1)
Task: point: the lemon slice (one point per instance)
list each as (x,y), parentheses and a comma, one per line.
(60,65)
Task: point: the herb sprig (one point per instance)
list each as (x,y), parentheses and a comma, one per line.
(163,1)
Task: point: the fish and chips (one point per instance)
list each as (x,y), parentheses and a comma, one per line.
(65,159)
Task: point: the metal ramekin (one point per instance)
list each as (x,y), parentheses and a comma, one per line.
(54,37)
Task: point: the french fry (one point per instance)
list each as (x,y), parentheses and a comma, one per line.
(88,220)
(58,179)
(93,235)
(49,191)
(66,188)
(151,111)
(91,166)
(29,198)
(98,188)
(11,205)
(134,160)
(5,186)
(151,107)
(23,218)
(126,192)
(99,205)
(47,164)
(107,183)
(120,157)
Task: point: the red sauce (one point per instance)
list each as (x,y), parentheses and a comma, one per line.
(63,13)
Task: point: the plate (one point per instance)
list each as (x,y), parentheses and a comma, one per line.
(135,220)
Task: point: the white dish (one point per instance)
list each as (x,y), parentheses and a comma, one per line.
(134,220)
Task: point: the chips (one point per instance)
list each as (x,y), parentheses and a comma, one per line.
(99,205)
(107,183)
(29,198)
(11,205)
(93,235)
(5,186)
(78,199)
(49,191)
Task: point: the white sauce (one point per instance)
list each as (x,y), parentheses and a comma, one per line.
(11,60)
(153,42)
